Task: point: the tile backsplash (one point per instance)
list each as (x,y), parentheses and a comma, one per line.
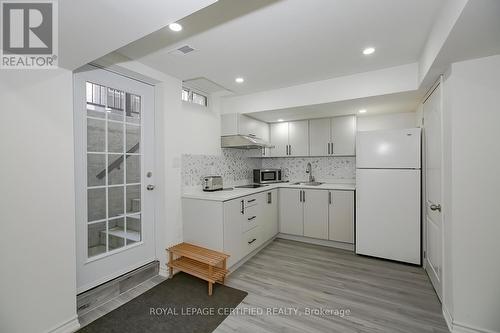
(236,165)
(323,168)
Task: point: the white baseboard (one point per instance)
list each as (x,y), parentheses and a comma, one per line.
(447,317)
(457,327)
(462,328)
(69,326)
(315,241)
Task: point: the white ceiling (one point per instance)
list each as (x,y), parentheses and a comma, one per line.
(90,29)
(400,102)
(279,43)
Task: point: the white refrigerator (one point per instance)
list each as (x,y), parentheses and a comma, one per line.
(388,194)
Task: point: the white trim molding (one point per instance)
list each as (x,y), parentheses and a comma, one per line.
(457,327)
(315,241)
(69,326)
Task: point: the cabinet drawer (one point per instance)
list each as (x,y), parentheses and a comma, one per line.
(251,240)
(251,200)
(250,219)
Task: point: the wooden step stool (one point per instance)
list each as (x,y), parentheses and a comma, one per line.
(203,263)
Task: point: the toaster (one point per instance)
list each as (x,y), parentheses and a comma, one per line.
(212,183)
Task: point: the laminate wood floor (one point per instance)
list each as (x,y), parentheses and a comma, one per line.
(381,296)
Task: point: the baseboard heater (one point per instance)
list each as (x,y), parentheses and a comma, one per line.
(101,294)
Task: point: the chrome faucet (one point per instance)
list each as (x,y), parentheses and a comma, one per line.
(309,172)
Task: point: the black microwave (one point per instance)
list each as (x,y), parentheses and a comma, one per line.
(262,176)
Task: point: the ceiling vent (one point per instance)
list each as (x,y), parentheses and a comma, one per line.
(182,50)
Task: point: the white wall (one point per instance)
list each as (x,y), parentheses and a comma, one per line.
(472,136)
(184,128)
(37,217)
(387,121)
(180,128)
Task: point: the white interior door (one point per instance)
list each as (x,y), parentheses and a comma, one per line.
(433,216)
(114,142)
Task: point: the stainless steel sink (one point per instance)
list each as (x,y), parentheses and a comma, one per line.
(308,183)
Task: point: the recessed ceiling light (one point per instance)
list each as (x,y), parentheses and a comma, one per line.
(239,80)
(362,111)
(368,50)
(175,27)
(280,119)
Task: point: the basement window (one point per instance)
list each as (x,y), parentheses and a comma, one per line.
(191,96)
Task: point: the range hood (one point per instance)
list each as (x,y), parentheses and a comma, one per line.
(243,142)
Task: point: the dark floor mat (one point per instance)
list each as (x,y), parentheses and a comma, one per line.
(179,305)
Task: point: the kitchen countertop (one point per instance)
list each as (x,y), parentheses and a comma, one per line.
(241,192)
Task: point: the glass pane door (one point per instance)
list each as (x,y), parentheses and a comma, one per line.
(114,163)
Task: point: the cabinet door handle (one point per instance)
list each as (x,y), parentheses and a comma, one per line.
(328,145)
(330,198)
(251,200)
(251,218)
(300,196)
(331,149)
(304,196)
(253,240)
(269,197)
(290,150)
(242,206)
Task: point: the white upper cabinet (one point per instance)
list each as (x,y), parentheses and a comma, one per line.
(343,135)
(290,139)
(298,138)
(279,139)
(254,127)
(235,123)
(332,136)
(319,137)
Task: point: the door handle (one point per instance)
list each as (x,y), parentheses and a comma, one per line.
(300,196)
(304,196)
(253,240)
(328,145)
(252,200)
(150,187)
(289,149)
(251,218)
(435,207)
(269,198)
(242,207)
(330,198)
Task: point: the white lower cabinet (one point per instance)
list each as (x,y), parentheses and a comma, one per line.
(315,213)
(236,227)
(341,216)
(239,226)
(320,214)
(268,222)
(291,211)
(233,224)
